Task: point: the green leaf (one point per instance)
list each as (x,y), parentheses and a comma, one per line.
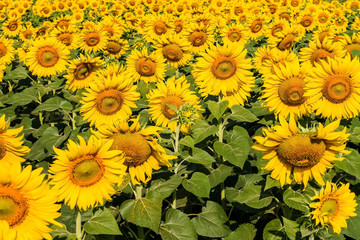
(53,104)
(273,230)
(103,222)
(241,114)
(219,175)
(245,231)
(234,152)
(17,74)
(163,188)
(177,226)
(249,195)
(270,183)
(355,52)
(201,130)
(144,212)
(187,141)
(259,110)
(201,157)
(296,200)
(217,108)
(210,222)
(355,135)
(198,184)
(353,223)
(23,98)
(50,137)
(291,228)
(351,163)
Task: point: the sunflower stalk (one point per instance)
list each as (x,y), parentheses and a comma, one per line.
(176,150)
(78,224)
(222,185)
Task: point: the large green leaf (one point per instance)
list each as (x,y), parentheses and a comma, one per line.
(187,141)
(103,222)
(241,114)
(144,212)
(273,230)
(201,157)
(234,152)
(219,175)
(53,104)
(177,226)
(291,228)
(351,163)
(296,200)
(163,188)
(249,195)
(217,108)
(201,130)
(245,231)
(23,98)
(198,184)
(17,74)
(210,222)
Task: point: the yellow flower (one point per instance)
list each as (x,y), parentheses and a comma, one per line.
(84,175)
(6,51)
(11,148)
(335,206)
(26,202)
(93,40)
(108,100)
(142,152)
(47,57)
(200,37)
(333,88)
(305,154)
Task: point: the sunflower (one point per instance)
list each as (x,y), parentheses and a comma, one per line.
(5,233)
(306,153)
(307,20)
(47,57)
(200,37)
(322,32)
(116,47)
(114,29)
(26,202)
(334,88)
(323,18)
(356,24)
(11,148)
(93,40)
(340,24)
(234,34)
(145,67)
(283,92)
(142,152)
(223,69)
(256,26)
(12,27)
(6,50)
(288,36)
(274,28)
(179,24)
(175,50)
(110,70)
(81,72)
(27,33)
(350,43)
(108,100)
(158,26)
(262,54)
(66,35)
(173,92)
(84,174)
(335,206)
(278,58)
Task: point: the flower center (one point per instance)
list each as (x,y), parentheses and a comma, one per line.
(109,102)
(323,18)
(170,100)
(323,35)
(349,48)
(198,38)
(291,92)
(256,26)
(92,39)
(223,67)
(337,88)
(86,171)
(3,50)
(329,208)
(306,21)
(113,47)
(301,151)
(172,52)
(160,28)
(276,29)
(65,38)
(320,54)
(294,3)
(110,30)
(13,206)
(178,27)
(27,34)
(47,56)
(83,70)
(145,67)
(286,42)
(13,26)
(136,148)
(234,35)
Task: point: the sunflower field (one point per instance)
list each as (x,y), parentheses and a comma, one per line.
(179,120)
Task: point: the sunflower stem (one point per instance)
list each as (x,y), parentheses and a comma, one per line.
(222,185)
(138,191)
(78,224)
(177,136)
